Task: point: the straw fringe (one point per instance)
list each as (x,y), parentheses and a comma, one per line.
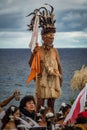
(79,79)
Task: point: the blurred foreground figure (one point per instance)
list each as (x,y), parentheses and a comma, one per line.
(10,121)
(5,102)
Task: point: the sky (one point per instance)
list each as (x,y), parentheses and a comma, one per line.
(71,22)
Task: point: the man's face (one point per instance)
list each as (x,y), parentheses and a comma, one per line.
(48,38)
(30,106)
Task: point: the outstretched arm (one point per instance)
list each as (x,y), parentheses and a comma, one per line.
(6,101)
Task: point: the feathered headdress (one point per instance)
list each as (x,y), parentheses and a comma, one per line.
(46,19)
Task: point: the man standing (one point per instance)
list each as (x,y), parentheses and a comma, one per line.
(49,80)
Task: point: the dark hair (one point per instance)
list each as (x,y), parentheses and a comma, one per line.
(10,111)
(46,19)
(64,109)
(26,99)
(71,128)
(81,120)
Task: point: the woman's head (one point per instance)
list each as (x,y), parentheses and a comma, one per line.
(28,103)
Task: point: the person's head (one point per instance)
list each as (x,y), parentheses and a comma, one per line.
(11,115)
(82,118)
(28,103)
(65,108)
(46,23)
(48,40)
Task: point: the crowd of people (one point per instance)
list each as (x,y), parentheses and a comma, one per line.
(26,117)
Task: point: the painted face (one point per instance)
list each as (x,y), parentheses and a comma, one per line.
(30,106)
(48,38)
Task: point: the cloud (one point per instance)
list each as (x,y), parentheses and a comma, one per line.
(13,12)
(14,39)
(71,5)
(62,39)
(70,39)
(8,10)
(71,17)
(72,20)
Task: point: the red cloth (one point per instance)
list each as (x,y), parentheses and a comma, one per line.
(83,114)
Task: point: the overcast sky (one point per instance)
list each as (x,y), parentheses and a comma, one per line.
(70,15)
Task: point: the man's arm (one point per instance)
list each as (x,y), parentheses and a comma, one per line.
(33,54)
(59,66)
(6,101)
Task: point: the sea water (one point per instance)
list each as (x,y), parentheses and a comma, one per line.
(14,70)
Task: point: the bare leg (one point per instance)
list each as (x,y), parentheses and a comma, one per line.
(40,102)
(50,103)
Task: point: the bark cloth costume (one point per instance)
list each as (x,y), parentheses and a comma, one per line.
(49,80)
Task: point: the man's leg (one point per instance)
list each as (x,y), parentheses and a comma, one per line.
(40,102)
(50,103)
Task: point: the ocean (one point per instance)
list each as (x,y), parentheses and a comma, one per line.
(14,70)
